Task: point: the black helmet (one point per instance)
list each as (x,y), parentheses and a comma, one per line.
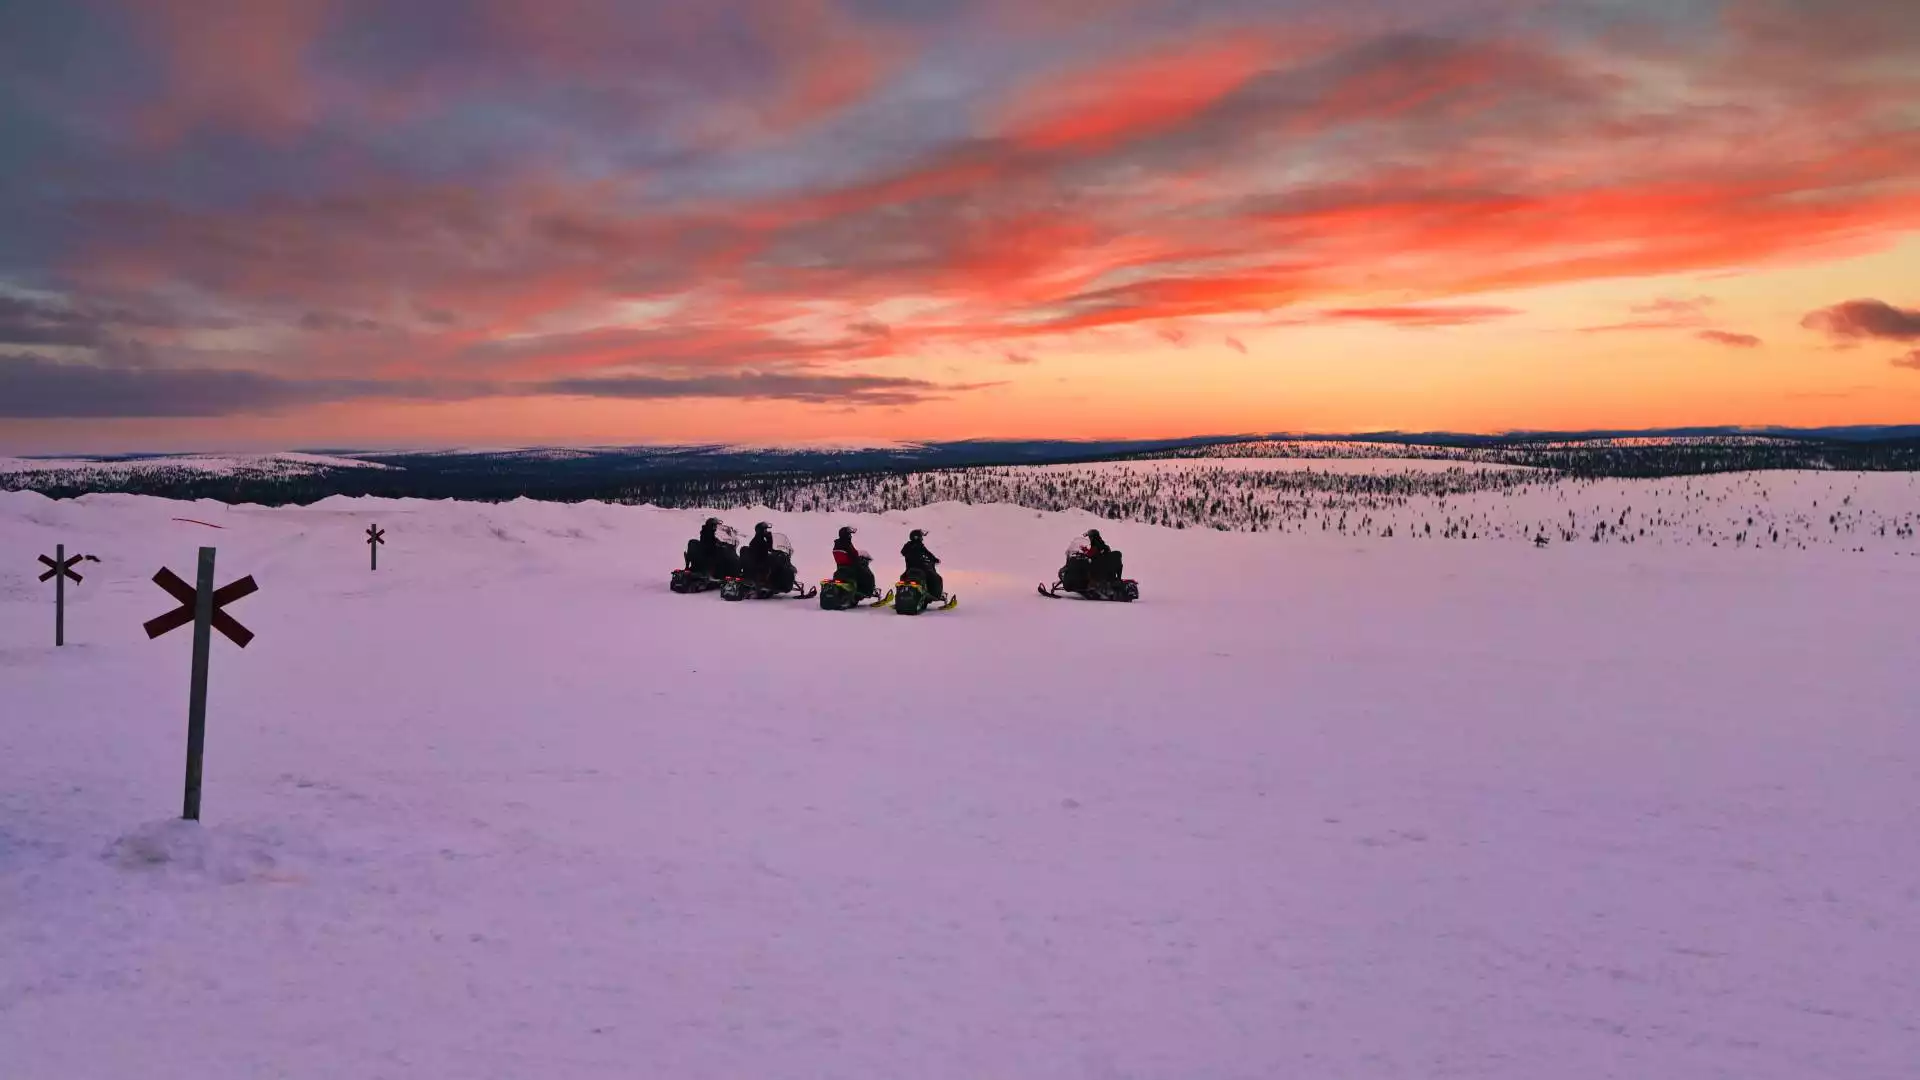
(762,526)
(713,521)
(847,530)
(1093,534)
(916,534)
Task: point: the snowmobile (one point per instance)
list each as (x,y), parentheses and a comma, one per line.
(914,592)
(703,575)
(776,578)
(910,595)
(842,590)
(1092,575)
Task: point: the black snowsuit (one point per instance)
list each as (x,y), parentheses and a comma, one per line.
(757,559)
(1105,562)
(704,554)
(862,573)
(919,558)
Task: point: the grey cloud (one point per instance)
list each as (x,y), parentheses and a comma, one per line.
(862,389)
(29,322)
(34,387)
(1856,319)
(332,322)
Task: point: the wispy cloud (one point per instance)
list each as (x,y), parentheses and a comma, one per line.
(1730,338)
(1422,316)
(839,389)
(35,387)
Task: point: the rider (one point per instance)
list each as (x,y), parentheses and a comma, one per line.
(756,559)
(863,573)
(1099,555)
(919,558)
(709,546)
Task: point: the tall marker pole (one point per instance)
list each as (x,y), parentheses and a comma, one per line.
(60,597)
(197,694)
(203,607)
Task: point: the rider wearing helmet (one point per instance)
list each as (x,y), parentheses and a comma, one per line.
(919,558)
(707,547)
(759,552)
(845,554)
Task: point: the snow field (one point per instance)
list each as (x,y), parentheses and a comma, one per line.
(1318,805)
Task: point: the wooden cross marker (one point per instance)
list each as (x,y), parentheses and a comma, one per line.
(60,571)
(375,537)
(200,605)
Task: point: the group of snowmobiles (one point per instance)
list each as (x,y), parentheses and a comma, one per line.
(763,570)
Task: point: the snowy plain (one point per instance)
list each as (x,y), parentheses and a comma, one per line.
(1320,805)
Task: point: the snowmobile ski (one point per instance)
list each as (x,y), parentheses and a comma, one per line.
(1126,593)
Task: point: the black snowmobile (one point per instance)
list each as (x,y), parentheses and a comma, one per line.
(766,570)
(1093,572)
(711,558)
(852,582)
(919,588)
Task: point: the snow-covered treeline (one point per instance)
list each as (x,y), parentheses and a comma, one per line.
(1401,499)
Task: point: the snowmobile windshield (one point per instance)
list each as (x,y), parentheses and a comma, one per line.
(726,534)
(1079,546)
(782,544)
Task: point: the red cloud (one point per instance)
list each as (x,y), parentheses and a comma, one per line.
(1911,360)
(1118,100)
(1729,338)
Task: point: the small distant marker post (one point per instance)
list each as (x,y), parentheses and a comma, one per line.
(375,537)
(200,605)
(60,568)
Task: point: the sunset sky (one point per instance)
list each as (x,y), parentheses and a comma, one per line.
(274,223)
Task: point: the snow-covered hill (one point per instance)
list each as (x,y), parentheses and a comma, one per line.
(1320,805)
(27,472)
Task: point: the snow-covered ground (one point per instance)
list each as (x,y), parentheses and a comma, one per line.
(1317,806)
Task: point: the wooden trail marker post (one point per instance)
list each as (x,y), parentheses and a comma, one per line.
(375,537)
(59,569)
(200,605)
